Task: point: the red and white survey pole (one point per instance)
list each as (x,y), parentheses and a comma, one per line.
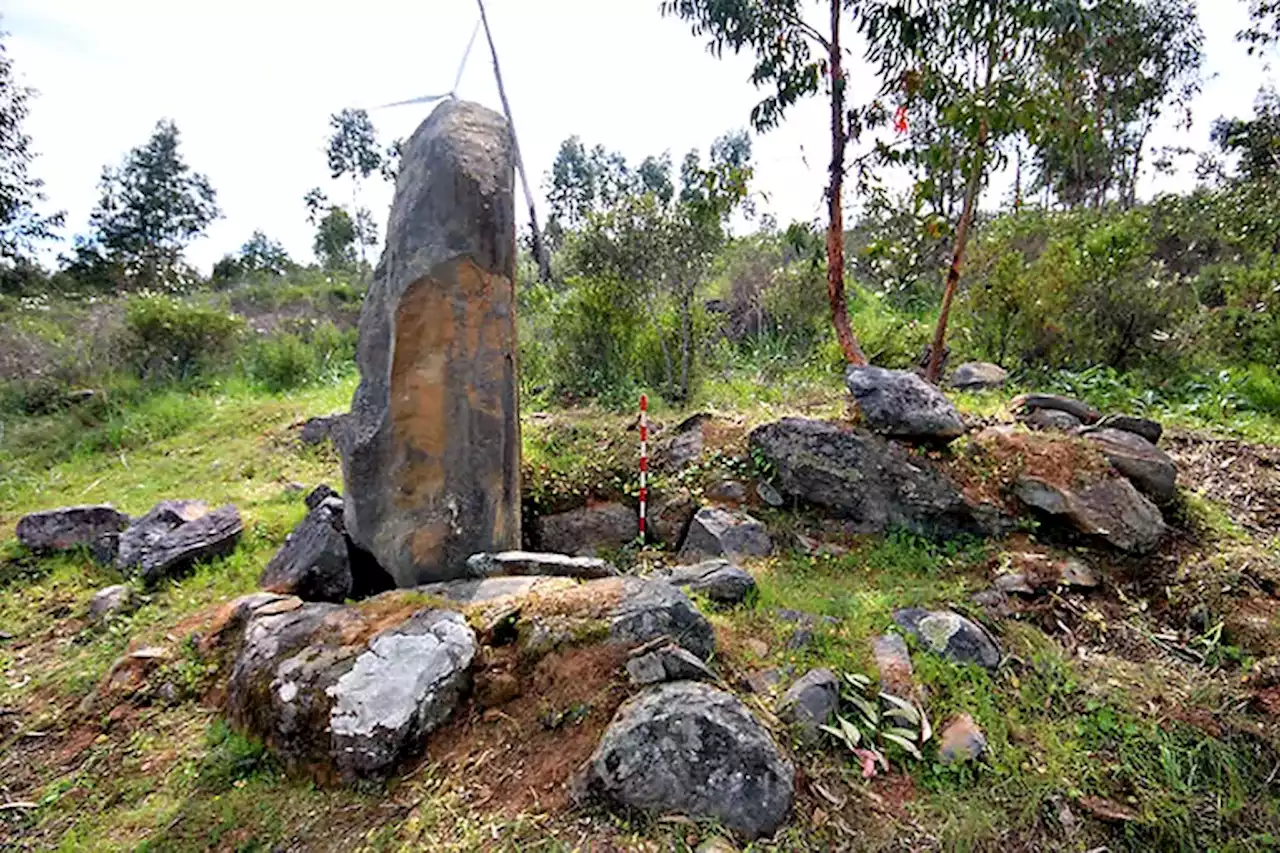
(644,461)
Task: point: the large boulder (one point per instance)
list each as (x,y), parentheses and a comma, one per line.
(719,532)
(313,563)
(951,635)
(900,404)
(1147,466)
(694,750)
(1110,508)
(855,475)
(175,535)
(979,376)
(340,692)
(586,531)
(95,527)
(669,514)
(431,448)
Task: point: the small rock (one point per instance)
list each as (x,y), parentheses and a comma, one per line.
(1151,430)
(769,494)
(1082,412)
(588,530)
(719,580)
(1147,466)
(667,663)
(112,601)
(727,491)
(716,845)
(994,603)
(806,624)
(293,487)
(961,741)
(1076,572)
(526,563)
(809,703)
(1111,508)
(497,689)
(900,404)
(681,446)
(893,660)
(979,376)
(719,532)
(175,535)
(96,527)
(319,495)
(1048,420)
(951,635)
(319,430)
(759,648)
(1014,583)
(669,514)
(764,682)
(649,609)
(691,749)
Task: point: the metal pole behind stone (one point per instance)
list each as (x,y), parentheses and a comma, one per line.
(539,247)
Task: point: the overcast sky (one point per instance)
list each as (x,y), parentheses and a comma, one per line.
(251,86)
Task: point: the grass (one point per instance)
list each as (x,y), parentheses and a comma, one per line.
(1062,725)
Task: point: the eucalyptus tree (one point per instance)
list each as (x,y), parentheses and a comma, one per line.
(795,59)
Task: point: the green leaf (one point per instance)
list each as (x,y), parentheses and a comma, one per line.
(906,734)
(906,745)
(868,710)
(851,731)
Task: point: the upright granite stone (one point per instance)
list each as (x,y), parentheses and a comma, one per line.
(431,449)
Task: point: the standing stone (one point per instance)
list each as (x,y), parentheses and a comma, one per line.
(431,449)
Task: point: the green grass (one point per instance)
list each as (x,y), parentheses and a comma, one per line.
(175,777)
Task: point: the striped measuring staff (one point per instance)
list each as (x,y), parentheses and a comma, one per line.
(644,461)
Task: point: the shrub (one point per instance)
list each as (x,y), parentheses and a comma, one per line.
(594,340)
(293,359)
(1261,389)
(170,339)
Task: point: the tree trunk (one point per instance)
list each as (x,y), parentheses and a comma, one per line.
(686,338)
(835,229)
(934,371)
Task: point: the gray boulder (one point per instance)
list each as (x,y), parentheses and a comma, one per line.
(529,563)
(313,563)
(96,527)
(951,635)
(810,703)
(649,609)
(858,476)
(175,535)
(900,404)
(1147,466)
(667,662)
(112,601)
(719,532)
(979,376)
(691,749)
(1151,430)
(431,448)
(668,516)
(681,446)
(1081,411)
(586,531)
(719,580)
(1111,509)
(331,706)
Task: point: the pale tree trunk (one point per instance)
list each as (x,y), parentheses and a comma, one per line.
(686,338)
(835,229)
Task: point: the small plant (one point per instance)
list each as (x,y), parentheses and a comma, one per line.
(869,720)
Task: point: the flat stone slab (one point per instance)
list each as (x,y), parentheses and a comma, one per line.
(175,535)
(719,580)
(1151,430)
(979,376)
(96,527)
(1081,411)
(1112,509)
(1147,466)
(547,565)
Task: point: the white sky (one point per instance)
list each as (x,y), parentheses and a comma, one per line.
(251,86)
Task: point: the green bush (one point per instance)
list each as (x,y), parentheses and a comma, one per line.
(1261,389)
(294,359)
(597,326)
(169,339)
